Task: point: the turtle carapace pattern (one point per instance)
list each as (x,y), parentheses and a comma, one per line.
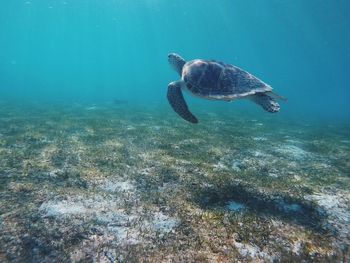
(214,80)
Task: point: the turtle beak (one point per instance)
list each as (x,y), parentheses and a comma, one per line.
(171,58)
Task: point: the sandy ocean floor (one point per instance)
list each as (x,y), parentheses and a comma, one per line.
(116,182)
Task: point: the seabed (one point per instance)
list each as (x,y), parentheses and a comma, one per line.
(125,183)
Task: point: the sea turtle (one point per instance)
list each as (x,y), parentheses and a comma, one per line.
(214,80)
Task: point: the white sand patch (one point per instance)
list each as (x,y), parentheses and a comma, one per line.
(259,154)
(108,215)
(235,206)
(117,186)
(236,165)
(273,175)
(113,143)
(54,173)
(145,156)
(292,151)
(294,142)
(219,167)
(252,160)
(259,139)
(163,223)
(336,205)
(297,247)
(252,251)
(62,208)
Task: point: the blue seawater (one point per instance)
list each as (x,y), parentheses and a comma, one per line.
(95,166)
(98,50)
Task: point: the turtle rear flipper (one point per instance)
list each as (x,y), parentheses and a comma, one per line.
(178,103)
(266,102)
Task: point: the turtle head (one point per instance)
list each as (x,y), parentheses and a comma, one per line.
(177,62)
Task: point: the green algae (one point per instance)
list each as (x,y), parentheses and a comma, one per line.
(104,183)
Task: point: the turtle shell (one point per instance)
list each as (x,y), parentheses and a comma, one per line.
(217,80)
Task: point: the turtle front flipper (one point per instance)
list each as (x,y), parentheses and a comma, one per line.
(178,103)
